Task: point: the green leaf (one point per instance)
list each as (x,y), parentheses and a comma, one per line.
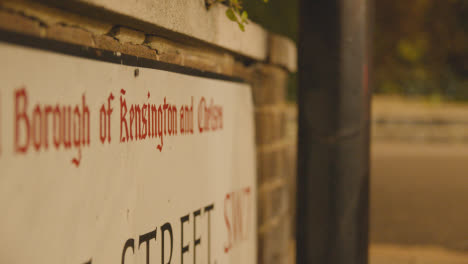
(241,26)
(244,16)
(230,14)
(235,4)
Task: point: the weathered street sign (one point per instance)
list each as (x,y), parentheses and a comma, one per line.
(109,163)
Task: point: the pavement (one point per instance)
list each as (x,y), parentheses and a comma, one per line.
(419,203)
(393,254)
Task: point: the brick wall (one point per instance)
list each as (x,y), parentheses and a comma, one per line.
(275,136)
(275,163)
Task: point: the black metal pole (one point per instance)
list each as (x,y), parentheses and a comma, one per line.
(333,158)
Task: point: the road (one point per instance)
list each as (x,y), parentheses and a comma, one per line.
(419,195)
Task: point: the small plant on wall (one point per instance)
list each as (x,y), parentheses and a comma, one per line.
(235,11)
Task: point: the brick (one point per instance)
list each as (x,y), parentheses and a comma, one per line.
(278,160)
(269,166)
(241,71)
(168,51)
(171,58)
(290,112)
(290,167)
(261,248)
(203,62)
(19,23)
(192,56)
(107,43)
(139,51)
(279,201)
(264,166)
(269,84)
(283,124)
(52,16)
(292,249)
(269,126)
(164,46)
(267,250)
(272,203)
(190,19)
(127,35)
(263,132)
(208,60)
(71,35)
(111,44)
(228,64)
(279,126)
(289,154)
(282,52)
(274,244)
(262,209)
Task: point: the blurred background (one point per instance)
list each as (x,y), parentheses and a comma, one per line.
(419,148)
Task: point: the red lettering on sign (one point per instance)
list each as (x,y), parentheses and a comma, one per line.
(186,119)
(69,125)
(147,121)
(237,210)
(209,117)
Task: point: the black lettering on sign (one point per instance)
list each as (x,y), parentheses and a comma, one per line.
(167,235)
(196,241)
(166,227)
(184,249)
(146,239)
(207,210)
(130,243)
